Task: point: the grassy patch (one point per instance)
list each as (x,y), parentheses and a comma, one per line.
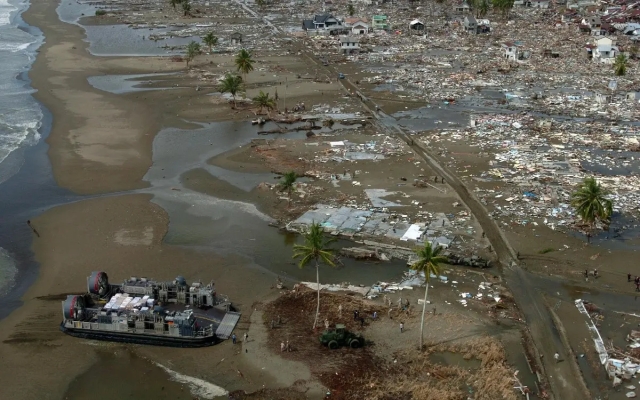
(100,12)
(547,250)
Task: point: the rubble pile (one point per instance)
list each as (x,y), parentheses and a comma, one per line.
(539,168)
(368,223)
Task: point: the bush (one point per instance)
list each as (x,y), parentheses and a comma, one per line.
(100,13)
(547,250)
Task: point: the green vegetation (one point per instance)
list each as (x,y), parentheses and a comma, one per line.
(503,6)
(100,13)
(210,40)
(264,101)
(244,63)
(428,261)
(231,84)
(351,9)
(288,183)
(315,248)
(328,123)
(547,250)
(620,65)
(186,7)
(483,8)
(193,49)
(591,204)
(174,3)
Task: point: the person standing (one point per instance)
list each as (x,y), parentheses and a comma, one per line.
(628,277)
(233,338)
(595,273)
(401,327)
(281,347)
(246,337)
(375,315)
(557,357)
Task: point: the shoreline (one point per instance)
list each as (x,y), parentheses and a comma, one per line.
(105,232)
(122,218)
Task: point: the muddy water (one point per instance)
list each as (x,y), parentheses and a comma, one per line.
(231,227)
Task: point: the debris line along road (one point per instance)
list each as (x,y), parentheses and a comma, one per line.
(564,378)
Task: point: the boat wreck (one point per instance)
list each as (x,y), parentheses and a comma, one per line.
(149,312)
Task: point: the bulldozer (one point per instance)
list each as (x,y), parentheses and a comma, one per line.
(340,336)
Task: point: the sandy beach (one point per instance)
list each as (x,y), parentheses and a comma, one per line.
(101,143)
(175,181)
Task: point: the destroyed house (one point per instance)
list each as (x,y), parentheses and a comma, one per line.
(537,3)
(470,24)
(603,50)
(358,26)
(416,25)
(462,7)
(236,38)
(634,95)
(593,21)
(380,22)
(512,51)
(349,45)
(319,22)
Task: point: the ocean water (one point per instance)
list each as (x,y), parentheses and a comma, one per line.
(20,114)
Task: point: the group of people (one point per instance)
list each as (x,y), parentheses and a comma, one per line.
(595,273)
(285,347)
(234,338)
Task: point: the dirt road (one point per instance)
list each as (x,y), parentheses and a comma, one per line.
(564,377)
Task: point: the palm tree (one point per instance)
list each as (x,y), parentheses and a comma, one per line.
(264,101)
(428,260)
(186,7)
(351,9)
(244,62)
(328,123)
(193,49)
(231,84)
(503,5)
(210,40)
(288,183)
(620,65)
(483,8)
(591,204)
(316,248)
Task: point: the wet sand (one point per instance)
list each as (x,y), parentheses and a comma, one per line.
(102,143)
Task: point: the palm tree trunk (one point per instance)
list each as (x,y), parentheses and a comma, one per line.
(424,307)
(315,322)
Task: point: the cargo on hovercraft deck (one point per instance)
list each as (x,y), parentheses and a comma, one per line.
(149,312)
